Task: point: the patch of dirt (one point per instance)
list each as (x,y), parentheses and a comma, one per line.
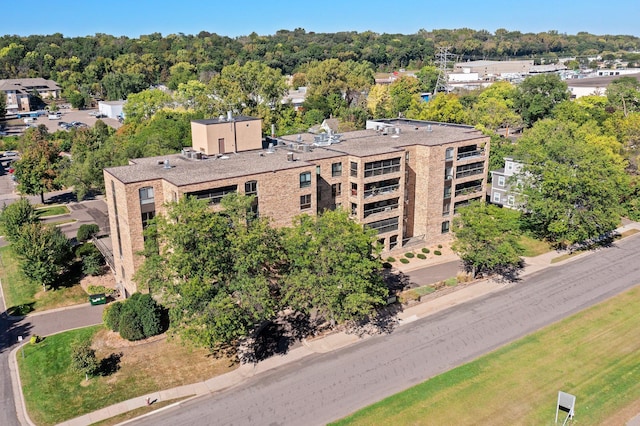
(106,280)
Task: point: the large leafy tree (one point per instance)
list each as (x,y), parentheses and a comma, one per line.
(37,171)
(44,253)
(143,105)
(486,239)
(538,95)
(14,216)
(333,270)
(573,182)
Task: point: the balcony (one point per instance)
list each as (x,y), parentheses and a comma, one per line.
(380,207)
(382,190)
(470,154)
(468,190)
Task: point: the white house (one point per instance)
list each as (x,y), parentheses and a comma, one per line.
(501,183)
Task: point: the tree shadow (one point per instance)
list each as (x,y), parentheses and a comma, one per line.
(384,322)
(67,197)
(276,337)
(10,329)
(21,310)
(110,364)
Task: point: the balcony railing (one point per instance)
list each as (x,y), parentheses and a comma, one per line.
(389,189)
(469,172)
(469,154)
(387,208)
(468,190)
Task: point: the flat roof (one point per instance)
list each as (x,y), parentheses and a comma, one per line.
(223,119)
(362,143)
(598,81)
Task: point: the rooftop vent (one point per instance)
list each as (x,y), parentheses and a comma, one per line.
(290,156)
(166,164)
(229,116)
(429,128)
(270,150)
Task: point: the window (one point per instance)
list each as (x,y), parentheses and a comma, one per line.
(354,189)
(146,195)
(376,168)
(500,180)
(354,169)
(354,209)
(305,180)
(393,241)
(448,173)
(511,200)
(446,209)
(318,170)
(445,227)
(251,187)
(305,202)
(146,217)
(336,190)
(496,197)
(448,155)
(336,169)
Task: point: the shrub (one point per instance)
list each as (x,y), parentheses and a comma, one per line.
(437,252)
(409,255)
(111,316)
(391,259)
(425,250)
(136,318)
(86,249)
(408,296)
(96,289)
(421,256)
(451,282)
(93,264)
(403,260)
(86,231)
(34,339)
(463,277)
(440,246)
(386,265)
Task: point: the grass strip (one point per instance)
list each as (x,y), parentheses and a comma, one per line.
(594,355)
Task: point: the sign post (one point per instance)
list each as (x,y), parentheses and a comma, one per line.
(21,347)
(566,403)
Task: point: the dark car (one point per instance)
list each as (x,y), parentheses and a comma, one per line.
(63,124)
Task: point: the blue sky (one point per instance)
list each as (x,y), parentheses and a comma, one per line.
(232,18)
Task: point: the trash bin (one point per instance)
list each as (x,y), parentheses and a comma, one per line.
(97,299)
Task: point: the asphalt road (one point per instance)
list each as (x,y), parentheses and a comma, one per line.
(42,325)
(325,387)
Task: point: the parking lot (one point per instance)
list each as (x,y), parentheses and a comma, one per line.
(17,126)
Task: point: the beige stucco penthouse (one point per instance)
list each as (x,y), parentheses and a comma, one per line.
(403,178)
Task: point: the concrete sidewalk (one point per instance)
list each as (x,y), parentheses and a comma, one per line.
(325,344)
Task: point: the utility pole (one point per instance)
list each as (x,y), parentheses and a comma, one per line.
(442,58)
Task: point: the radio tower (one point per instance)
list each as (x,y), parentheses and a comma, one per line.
(442,58)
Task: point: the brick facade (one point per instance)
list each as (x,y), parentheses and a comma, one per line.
(392,177)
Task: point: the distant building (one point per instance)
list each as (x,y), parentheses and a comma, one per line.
(20,91)
(502,188)
(486,69)
(594,85)
(112,109)
(405,179)
(296,97)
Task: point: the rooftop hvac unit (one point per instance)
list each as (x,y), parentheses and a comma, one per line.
(289,156)
(306,148)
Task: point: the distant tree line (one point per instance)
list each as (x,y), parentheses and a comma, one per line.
(112,67)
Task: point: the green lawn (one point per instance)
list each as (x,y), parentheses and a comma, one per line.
(594,355)
(54,393)
(23,296)
(51,211)
(533,247)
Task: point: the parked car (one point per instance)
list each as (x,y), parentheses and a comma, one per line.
(10,154)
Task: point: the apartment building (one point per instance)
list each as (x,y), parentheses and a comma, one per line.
(403,178)
(20,90)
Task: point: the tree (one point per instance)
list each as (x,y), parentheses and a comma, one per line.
(332,268)
(143,105)
(36,171)
(44,253)
(428,77)
(624,94)
(444,107)
(14,216)
(121,85)
(573,183)
(378,101)
(83,359)
(401,92)
(486,238)
(538,95)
